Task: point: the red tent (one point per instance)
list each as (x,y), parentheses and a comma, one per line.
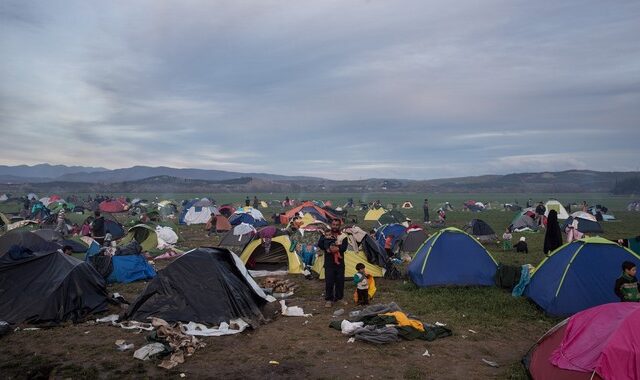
(114,205)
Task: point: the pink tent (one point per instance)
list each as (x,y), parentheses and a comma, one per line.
(600,342)
(604,339)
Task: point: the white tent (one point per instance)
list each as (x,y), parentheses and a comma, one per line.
(553,204)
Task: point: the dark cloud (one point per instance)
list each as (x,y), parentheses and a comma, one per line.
(342,89)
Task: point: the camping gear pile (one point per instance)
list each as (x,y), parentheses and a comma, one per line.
(387,323)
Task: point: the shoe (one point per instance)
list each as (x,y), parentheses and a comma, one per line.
(328,304)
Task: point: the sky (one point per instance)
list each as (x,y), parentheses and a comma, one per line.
(336,89)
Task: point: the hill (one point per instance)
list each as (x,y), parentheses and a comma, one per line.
(571,181)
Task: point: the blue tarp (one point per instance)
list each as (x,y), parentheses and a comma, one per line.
(452,257)
(578,275)
(129,269)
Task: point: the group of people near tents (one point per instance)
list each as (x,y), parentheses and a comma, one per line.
(577,275)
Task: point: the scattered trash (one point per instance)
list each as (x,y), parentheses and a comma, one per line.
(31,328)
(464,316)
(426,353)
(273,362)
(306,322)
(440,324)
(183,375)
(338,312)
(490,363)
(354,313)
(87,332)
(108,319)
(464,337)
(146,352)
(348,328)
(292,311)
(235,326)
(351,340)
(121,345)
(119,298)
(473,331)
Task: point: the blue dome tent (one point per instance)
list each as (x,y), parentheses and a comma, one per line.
(452,257)
(578,275)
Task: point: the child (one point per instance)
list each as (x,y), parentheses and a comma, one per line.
(627,285)
(387,245)
(506,240)
(362,284)
(308,254)
(522,245)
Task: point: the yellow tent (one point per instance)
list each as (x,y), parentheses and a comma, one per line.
(264,204)
(278,256)
(350,260)
(374,214)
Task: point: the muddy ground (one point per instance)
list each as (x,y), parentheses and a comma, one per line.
(303,347)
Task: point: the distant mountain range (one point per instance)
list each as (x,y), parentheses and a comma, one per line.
(61,173)
(48,178)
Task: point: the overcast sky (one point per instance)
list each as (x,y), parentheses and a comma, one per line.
(338,89)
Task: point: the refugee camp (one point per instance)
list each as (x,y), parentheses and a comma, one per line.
(319,190)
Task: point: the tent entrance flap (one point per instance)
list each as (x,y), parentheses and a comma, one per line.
(276,259)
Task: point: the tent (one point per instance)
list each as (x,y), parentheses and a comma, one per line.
(247,218)
(586,223)
(351,258)
(279,257)
(149,237)
(474,206)
(205,285)
(197,212)
(597,343)
(114,228)
(393,216)
(167,208)
(49,287)
(238,238)
(553,204)
(374,214)
(452,257)
(307,208)
(578,275)
(481,230)
(407,205)
(130,268)
(412,239)
(53,236)
(227,210)
(524,221)
(114,205)
(27,240)
(395,229)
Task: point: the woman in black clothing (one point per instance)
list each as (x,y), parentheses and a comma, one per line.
(553,235)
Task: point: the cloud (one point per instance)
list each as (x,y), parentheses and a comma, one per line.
(341,89)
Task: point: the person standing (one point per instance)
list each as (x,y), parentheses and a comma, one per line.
(98,228)
(552,235)
(425,209)
(333,251)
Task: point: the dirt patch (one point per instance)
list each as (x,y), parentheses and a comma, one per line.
(303,347)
